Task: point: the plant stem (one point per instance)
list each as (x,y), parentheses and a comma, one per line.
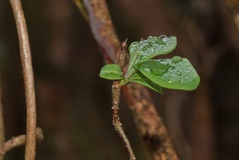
(25,53)
(81,8)
(21,140)
(116,121)
(2,136)
(116,88)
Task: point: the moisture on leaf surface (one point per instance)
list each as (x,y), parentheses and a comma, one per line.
(175,73)
(111,72)
(151,47)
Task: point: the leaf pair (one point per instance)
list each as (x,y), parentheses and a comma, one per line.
(174,73)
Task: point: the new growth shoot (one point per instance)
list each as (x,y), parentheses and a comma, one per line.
(156,74)
(173,73)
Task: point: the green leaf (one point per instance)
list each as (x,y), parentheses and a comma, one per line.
(146,49)
(141,79)
(111,72)
(175,73)
(151,47)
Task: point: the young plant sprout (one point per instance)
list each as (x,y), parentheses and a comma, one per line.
(173,73)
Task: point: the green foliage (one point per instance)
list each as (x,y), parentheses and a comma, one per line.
(151,47)
(141,79)
(111,72)
(170,74)
(174,73)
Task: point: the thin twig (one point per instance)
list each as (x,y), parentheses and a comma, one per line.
(21,140)
(25,53)
(149,123)
(81,8)
(116,121)
(2,135)
(116,87)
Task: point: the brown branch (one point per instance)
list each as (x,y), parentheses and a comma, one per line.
(102,28)
(20,140)
(28,79)
(149,124)
(2,135)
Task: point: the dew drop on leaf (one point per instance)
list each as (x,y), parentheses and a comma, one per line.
(148,69)
(159,42)
(151,47)
(176,59)
(179,73)
(175,73)
(144,48)
(134,44)
(152,39)
(162,36)
(155,68)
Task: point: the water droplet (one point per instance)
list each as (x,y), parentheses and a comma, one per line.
(159,69)
(179,73)
(163,36)
(176,59)
(152,39)
(155,68)
(134,44)
(170,81)
(147,69)
(159,42)
(152,50)
(144,48)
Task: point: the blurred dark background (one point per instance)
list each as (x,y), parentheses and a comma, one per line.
(74,104)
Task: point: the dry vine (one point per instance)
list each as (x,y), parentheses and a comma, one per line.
(25,53)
